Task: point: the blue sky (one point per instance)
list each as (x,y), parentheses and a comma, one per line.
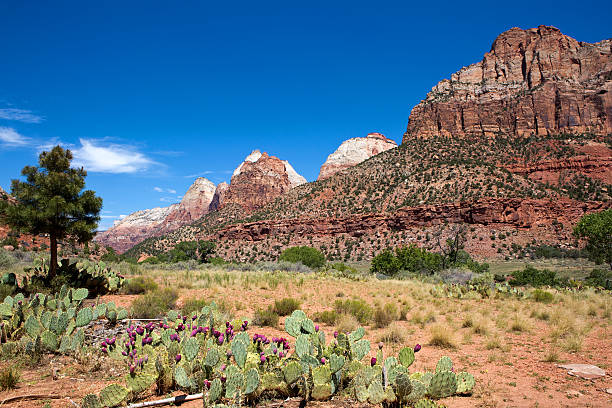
(149,95)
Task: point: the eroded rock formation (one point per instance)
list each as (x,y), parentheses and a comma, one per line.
(354,151)
(535,81)
(260,179)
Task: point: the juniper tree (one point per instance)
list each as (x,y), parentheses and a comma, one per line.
(51,201)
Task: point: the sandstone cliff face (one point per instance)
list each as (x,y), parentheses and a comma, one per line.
(141,225)
(194,204)
(218,197)
(135,228)
(354,151)
(260,179)
(535,81)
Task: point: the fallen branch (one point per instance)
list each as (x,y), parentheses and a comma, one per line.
(173,400)
(28,396)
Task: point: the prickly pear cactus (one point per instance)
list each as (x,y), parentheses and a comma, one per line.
(84,317)
(239,351)
(292,372)
(302,345)
(32,327)
(360,349)
(191,347)
(234,382)
(79,294)
(425,403)
(444,364)
(49,341)
(465,383)
(336,363)
(403,386)
(91,401)
(252,381)
(321,377)
(442,385)
(212,358)
(216,388)
(113,395)
(406,356)
(376,393)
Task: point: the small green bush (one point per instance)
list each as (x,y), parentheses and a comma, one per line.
(600,278)
(383,316)
(9,377)
(6,290)
(542,296)
(192,305)
(311,257)
(265,317)
(139,285)
(154,304)
(534,277)
(6,259)
(328,317)
(286,306)
(355,307)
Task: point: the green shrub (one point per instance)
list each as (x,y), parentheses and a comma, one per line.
(6,290)
(192,305)
(265,317)
(385,263)
(356,308)
(600,278)
(286,306)
(542,296)
(328,317)
(311,257)
(138,285)
(534,277)
(9,377)
(383,316)
(154,304)
(419,260)
(6,259)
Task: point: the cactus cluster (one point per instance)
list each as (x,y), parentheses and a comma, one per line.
(201,353)
(480,290)
(48,323)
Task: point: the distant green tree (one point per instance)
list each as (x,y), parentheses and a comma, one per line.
(596,228)
(52,201)
(311,257)
(386,263)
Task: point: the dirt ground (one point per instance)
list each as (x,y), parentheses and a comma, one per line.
(509,345)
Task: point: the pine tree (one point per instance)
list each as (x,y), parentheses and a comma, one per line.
(51,201)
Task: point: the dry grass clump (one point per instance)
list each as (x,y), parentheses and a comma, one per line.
(519,323)
(383,316)
(9,377)
(442,336)
(346,323)
(394,335)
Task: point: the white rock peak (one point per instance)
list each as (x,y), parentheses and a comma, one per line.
(353,151)
(145,218)
(253,157)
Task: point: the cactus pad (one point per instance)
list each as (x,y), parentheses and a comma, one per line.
(403,386)
(252,381)
(80,294)
(302,345)
(443,384)
(418,391)
(49,340)
(406,356)
(292,372)
(376,393)
(84,317)
(212,358)
(357,334)
(113,395)
(216,388)
(239,351)
(444,364)
(32,327)
(360,349)
(465,383)
(336,363)
(190,348)
(234,382)
(91,401)
(181,377)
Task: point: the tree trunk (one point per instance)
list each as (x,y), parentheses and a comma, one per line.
(53,262)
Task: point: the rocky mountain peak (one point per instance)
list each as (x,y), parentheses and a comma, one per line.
(536,81)
(353,151)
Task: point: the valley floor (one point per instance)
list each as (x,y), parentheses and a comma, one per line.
(512,346)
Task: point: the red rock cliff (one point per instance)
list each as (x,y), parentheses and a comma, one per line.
(534,81)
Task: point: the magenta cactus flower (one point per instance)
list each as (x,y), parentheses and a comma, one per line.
(317,328)
(373,361)
(263,358)
(335,334)
(139,330)
(177,358)
(322,360)
(223,367)
(417,348)
(132,369)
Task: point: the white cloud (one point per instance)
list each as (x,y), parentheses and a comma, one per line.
(112,158)
(164,190)
(20,115)
(199,174)
(168,199)
(11,137)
